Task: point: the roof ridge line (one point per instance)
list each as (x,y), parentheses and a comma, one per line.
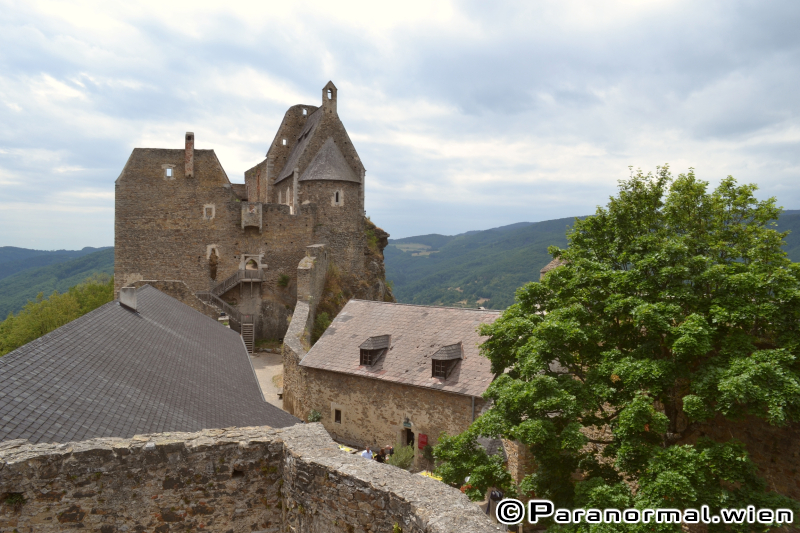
(430,306)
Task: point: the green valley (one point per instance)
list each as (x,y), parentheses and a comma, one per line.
(485,268)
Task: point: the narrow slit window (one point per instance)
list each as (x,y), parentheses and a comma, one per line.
(337,197)
(305,111)
(284,142)
(330,94)
(168,172)
(337,416)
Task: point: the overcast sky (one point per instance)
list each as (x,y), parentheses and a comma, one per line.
(467,115)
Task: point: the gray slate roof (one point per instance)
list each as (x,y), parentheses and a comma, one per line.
(302,142)
(117,373)
(446,353)
(329,164)
(376,343)
(417,333)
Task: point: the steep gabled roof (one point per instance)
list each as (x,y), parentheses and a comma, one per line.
(329,164)
(417,333)
(117,373)
(303,139)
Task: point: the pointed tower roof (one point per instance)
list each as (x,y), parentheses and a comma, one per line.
(329,164)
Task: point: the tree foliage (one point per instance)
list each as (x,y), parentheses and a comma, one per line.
(675,305)
(46,314)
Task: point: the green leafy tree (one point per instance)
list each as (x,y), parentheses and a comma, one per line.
(675,305)
(47,314)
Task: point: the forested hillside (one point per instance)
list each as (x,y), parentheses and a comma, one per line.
(23,286)
(13,259)
(485,268)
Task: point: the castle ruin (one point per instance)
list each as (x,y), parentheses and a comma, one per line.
(183,227)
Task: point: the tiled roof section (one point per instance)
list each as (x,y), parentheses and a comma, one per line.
(446,353)
(302,142)
(550,266)
(329,164)
(417,333)
(376,343)
(117,373)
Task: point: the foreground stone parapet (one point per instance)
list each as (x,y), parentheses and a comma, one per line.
(233,480)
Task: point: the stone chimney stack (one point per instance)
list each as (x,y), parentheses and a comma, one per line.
(329,98)
(189,154)
(127,297)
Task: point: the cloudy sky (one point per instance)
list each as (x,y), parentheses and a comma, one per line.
(467,115)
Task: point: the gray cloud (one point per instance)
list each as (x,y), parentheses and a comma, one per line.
(466,117)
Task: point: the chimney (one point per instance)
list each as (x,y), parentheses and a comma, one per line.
(189,173)
(127,297)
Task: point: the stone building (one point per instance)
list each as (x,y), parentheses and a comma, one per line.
(182,226)
(385,373)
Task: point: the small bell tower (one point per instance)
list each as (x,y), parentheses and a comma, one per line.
(329,98)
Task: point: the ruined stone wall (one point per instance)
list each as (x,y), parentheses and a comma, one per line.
(295,346)
(520,460)
(774,450)
(373,411)
(235,480)
(296,342)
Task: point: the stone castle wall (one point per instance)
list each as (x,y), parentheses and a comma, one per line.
(238,480)
(373,411)
(310,283)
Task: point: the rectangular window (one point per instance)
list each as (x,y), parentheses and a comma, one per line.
(440,368)
(366,357)
(337,416)
(168,172)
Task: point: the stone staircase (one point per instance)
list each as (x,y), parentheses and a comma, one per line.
(240,322)
(248,336)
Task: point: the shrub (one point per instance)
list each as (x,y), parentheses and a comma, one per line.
(321,323)
(403,457)
(283,280)
(314,416)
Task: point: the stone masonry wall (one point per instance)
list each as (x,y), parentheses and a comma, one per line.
(294,480)
(310,283)
(373,411)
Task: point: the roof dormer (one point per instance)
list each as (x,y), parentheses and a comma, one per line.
(373,349)
(445,359)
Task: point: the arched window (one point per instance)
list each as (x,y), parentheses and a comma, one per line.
(251,265)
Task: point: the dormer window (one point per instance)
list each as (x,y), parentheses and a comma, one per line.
(373,349)
(445,360)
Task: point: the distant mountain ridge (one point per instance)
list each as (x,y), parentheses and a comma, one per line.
(13,259)
(485,268)
(46,272)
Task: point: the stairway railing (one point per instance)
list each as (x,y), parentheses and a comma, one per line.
(235,315)
(240,275)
